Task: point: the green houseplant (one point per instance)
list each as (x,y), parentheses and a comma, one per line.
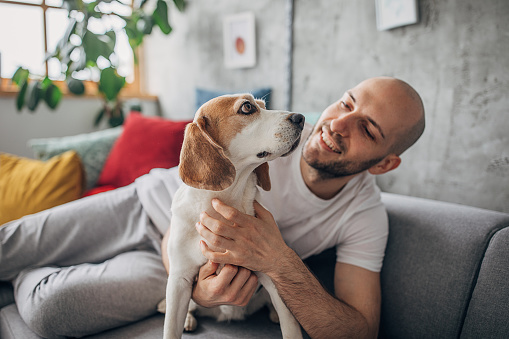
(79,49)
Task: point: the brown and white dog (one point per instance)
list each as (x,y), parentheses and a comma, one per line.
(224,155)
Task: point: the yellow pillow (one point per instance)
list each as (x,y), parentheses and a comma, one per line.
(28,186)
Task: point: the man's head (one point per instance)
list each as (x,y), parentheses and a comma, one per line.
(367,129)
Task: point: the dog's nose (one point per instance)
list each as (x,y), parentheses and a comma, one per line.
(297,119)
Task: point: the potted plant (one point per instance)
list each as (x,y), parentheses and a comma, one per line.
(80,48)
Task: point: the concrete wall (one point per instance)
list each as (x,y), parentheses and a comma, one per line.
(192,56)
(456,57)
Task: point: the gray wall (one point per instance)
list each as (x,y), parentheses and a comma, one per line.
(456,57)
(72,116)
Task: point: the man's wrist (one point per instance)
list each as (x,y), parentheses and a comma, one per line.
(282,263)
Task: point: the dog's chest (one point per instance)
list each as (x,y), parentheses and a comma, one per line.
(189,203)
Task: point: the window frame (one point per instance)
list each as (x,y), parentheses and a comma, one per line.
(130,90)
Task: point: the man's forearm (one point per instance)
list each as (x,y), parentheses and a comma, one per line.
(320,314)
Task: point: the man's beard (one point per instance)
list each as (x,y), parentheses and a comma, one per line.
(339,168)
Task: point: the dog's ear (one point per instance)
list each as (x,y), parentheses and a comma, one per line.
(262,176)
(261,103)
(203,163)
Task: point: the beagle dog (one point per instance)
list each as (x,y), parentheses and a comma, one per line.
(224,155)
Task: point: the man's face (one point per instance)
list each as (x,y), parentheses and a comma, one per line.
(356,132)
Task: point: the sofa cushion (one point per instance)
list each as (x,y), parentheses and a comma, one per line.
(204,95)
(431,264)
(93,149)
(28,186)
(12,326)
(145,143)
(488,311)
(6,293)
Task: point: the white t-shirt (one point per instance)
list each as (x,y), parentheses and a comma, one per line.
(355,220)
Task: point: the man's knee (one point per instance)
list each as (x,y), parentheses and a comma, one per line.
(46,316)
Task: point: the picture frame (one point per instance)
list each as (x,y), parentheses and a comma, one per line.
(239,40)
(395,13)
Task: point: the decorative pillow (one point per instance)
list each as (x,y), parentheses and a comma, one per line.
(93,149)
(145,143)
(29,186)
(204,95)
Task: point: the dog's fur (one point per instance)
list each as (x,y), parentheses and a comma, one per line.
(224,155)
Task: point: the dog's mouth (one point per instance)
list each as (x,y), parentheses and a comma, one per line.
(294,146)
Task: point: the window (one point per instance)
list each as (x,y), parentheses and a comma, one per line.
(38,25)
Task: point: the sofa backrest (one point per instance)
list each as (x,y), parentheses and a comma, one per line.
(434,264)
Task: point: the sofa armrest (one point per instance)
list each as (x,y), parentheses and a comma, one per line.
(433,256)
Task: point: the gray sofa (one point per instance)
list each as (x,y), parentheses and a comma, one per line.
(445,275)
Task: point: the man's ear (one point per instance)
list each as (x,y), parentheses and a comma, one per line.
(387,164)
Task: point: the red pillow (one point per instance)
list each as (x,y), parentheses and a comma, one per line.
(145,143)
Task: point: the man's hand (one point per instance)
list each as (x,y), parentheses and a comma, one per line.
(240,239)
(232,286)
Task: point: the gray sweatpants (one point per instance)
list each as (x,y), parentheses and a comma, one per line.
(86,266)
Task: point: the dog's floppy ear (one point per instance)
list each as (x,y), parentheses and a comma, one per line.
(262,176)
(203,163)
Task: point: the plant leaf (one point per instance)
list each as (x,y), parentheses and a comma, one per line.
(110,83)
(20,100)
(75,86)
(145,24)
(52,95)
(99,117)
(33,95)
(160,17)
(20,76)
(181,4)
(94,47)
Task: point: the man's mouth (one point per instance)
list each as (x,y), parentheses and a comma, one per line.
(329,143)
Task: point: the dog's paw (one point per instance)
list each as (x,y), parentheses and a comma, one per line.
(161,307)
(191,323)
(273,315)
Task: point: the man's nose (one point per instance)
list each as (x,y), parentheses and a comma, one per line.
(341,124)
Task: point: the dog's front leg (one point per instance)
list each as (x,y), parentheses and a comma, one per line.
(178,295)
(290,327)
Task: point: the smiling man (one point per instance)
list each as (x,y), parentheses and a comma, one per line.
(324,195)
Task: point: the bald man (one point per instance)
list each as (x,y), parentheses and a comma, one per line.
(323,196)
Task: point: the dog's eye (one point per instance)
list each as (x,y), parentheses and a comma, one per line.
(247,108)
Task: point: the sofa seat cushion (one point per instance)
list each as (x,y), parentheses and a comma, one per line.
(12,326)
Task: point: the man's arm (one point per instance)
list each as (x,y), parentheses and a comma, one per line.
(256,243)
(352,313)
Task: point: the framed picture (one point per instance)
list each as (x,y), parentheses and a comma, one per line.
(239,40)
(395,13)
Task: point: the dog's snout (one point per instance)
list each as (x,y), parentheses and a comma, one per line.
(297,119)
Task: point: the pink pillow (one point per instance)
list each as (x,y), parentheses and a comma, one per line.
(145,143)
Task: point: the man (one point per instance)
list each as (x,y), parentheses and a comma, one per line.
(364,132)
(95,263)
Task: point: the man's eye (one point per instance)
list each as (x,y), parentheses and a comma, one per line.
(369,134)
(247,108)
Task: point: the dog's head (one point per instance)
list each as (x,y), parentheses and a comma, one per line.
(234,132)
